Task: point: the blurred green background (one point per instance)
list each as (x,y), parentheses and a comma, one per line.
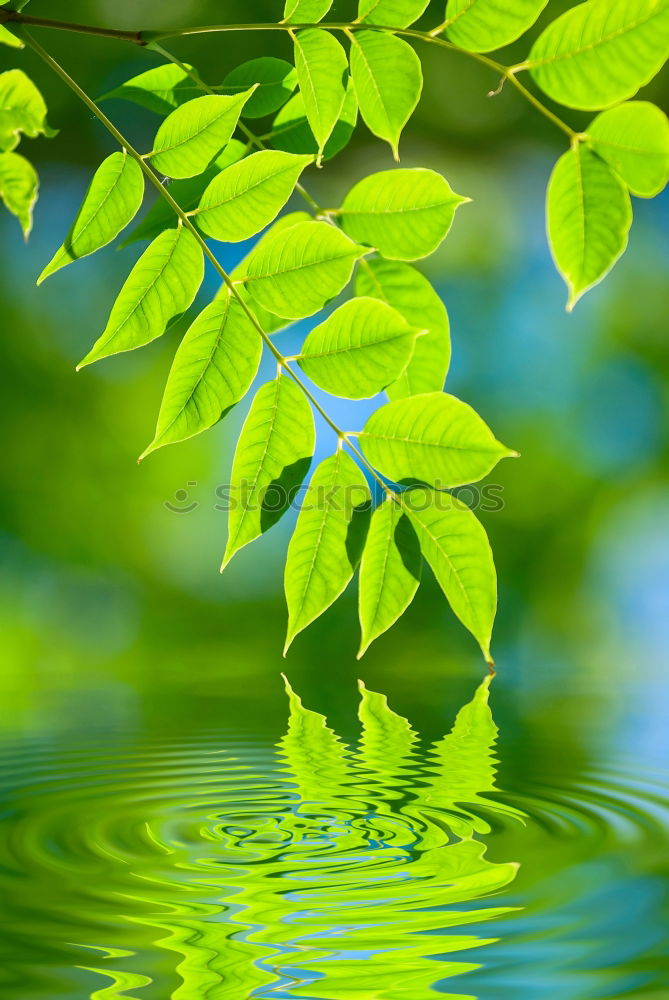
(113,613)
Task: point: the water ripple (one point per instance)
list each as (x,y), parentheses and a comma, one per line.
(226,868)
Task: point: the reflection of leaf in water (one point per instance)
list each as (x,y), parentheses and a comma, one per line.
(316,759)
(327,872)
(461,768)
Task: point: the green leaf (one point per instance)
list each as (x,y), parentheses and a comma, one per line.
(634,139)
(407,290)
(270,322)
(276,80)
(296,271)
(305,11)
(212,370)
(7,38)
(362,347)
(16,4)
(160,287)
(247,196)
(190,138)
(388,82)
(322,71)
(112,200)
(589,217)
(272,458)
(600,53)
(389,571)
(434,438)
(291,130)
(456,547)
(403,213)
(328,539)
(187,193)
(18,188)
(391,13)
(161,89)
(22,110)
(484,25)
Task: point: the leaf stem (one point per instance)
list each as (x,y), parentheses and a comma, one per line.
(186,222)
(152,38)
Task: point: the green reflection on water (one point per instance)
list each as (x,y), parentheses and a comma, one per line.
(199,872)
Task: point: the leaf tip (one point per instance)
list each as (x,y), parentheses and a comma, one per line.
(575,296)
(361,686)
(289,641)
(44,274)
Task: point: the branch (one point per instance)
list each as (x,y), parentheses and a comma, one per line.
(7,16)
(149,38)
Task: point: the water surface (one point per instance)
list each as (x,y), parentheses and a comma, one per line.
(221,865)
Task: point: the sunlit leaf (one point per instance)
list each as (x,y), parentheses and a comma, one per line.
(391,13)
(7,38)
(322,71)
(403,213)
(296,271)
(434,438)
(18,188)
(483,25)
(212,370)
(110,203)
(272,458)
(276,80)
(389,571)
(187,194)
(325,548)
(305,11)
(269,321)
(247,196)
(634,139)
(407,290)
(600,53)
(22,110)
(161,89)
(160,287)
(457,550)
(291,130)
(589,217)
(388,81)
(190,138)
(358,350)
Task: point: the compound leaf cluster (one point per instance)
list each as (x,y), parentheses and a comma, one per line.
(218,180)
